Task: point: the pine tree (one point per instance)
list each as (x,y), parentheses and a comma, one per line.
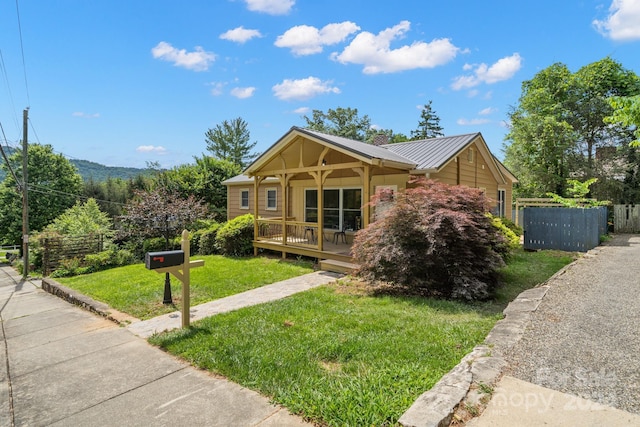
(429,124)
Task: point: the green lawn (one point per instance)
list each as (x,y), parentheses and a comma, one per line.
(339,356)
(139,292)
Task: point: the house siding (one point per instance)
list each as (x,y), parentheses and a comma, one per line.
(233,200)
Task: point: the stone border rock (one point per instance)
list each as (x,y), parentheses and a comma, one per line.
(482,367)
(83,301)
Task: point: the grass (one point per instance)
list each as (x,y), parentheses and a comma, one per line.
(139,292)
(339,356)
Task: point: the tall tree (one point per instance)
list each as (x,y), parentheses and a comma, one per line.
(344,122)
(429,124)
(54,185)
(559,124)
(230,141)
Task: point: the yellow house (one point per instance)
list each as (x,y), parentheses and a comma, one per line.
(309,191)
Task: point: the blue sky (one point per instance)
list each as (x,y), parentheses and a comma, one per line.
(125,82)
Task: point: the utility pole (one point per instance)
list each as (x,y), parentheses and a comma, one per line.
(25,197)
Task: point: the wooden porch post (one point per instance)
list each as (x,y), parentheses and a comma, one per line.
(256,185)
(284,181)
(366,196)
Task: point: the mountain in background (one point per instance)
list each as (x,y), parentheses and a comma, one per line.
(92,170)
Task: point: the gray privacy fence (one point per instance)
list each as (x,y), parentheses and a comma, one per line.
(626,218)
(566,229)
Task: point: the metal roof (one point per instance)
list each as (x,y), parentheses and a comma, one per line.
(357,147)
(432,153)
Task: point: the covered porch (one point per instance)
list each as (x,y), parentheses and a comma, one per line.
(312,193)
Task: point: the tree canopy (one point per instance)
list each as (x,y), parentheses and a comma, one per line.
(203,180)
(559,125)
(626,111)
(82,219)
(231,140)
(54,186)
(344,122)
(159,213)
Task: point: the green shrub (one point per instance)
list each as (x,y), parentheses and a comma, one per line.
(512,226)
(235,238)
(512,240)
(207,244)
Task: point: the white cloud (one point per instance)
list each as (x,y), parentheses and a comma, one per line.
(303,89)
(302,110)
(271,7)
(503,69)
(307,40)
(487,111)
(243,92)
(198,60)
(85,115)
(375,53)
(240,35)
(623,22)
(151,149)
(472,122)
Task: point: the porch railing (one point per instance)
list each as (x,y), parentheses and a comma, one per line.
(297,233)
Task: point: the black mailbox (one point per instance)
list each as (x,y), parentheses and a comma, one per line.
(154,260)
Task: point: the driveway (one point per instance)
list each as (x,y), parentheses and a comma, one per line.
(583,339)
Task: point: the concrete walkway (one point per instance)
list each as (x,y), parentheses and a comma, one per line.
(63,366)
(267,293)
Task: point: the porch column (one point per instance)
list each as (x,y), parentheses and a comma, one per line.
(366,196)
(284,180)
(256,234)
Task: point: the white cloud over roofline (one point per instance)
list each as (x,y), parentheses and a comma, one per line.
(240,35)
(308,40)
(303,89)
(374,52)
(503,69)
(623,22)
(198,60)
(271,7)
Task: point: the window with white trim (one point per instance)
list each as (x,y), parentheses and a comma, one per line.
(272,199)
(244,199)
(342,208)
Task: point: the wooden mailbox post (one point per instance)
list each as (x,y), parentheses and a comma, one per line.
(178,264)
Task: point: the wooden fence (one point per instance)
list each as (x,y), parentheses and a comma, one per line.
(626,218)
(57,249)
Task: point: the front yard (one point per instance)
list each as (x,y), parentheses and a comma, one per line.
(339,355)
(137,291)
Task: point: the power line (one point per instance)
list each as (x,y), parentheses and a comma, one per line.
(6,159)
(24,64)
(6,79)
(44,190)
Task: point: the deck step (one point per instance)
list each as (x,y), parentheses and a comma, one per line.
(336,266)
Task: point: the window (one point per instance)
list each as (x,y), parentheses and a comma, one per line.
(244,199)
(341,210)
(502,197)
(272,199)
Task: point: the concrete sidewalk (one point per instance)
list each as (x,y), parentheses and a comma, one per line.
(63,366)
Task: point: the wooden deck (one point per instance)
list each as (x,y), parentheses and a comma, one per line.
(305,247)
